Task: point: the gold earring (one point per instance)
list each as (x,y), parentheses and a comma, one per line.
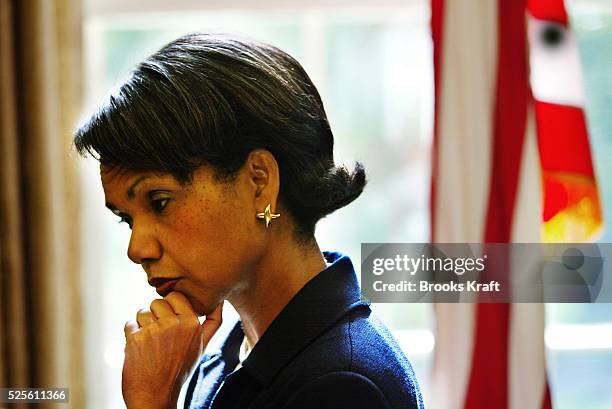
(267,215)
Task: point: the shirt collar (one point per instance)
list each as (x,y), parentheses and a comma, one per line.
(323,301)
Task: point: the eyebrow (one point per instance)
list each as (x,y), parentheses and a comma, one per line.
(130,192)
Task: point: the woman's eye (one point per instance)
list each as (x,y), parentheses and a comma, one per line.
(159,205)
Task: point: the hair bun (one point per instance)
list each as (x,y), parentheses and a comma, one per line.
(336,188)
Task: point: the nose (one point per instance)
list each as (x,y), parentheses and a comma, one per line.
(144,246)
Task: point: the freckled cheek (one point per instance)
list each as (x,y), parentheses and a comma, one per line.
(198,251)
(212,232)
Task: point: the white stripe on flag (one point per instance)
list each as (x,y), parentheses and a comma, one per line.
(465,116)
(465,120)
(527,365)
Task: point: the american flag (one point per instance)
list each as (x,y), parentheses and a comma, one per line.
(511,163)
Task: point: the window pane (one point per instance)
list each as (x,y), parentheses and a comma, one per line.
(579,336)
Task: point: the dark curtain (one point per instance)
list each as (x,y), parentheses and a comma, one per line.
(41,340)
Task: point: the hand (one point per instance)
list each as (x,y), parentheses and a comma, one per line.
(162,347)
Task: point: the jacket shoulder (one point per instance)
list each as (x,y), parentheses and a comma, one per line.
(339,389)
(359,351)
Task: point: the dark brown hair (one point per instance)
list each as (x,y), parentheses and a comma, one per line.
(210,100)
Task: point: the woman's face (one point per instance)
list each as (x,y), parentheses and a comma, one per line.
(204,233)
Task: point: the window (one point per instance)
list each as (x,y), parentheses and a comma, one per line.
(579,336)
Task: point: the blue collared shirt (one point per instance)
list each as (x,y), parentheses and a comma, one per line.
(324,350)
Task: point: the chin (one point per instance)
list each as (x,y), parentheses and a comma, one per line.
(202,308)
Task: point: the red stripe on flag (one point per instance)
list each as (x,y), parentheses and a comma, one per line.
(437,20)
(562,134)
(546,402)
(488,383)
(510,119)
(553,10)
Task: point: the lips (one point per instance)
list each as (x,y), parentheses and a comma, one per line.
(163,285)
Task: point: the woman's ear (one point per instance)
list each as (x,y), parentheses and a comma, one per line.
(263,174)
(260,178)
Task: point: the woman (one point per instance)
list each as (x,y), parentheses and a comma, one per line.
(218,155)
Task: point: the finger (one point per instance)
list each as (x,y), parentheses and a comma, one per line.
(161,308)
(144,317)
(211,324)
(179,303)
(130,328)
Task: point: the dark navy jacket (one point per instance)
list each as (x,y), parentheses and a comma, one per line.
(324,350)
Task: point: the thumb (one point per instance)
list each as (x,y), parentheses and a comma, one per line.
(211,324)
